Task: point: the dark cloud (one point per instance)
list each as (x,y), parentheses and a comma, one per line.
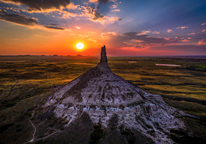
(25,20)
(187,49)
(54,27)
(41,4)
(53,24)
(97,16)
(103,1)
(147,39)
(130,34)
(94,13)
(132,39)
(17,18)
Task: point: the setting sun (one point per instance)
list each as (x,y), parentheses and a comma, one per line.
(80,45)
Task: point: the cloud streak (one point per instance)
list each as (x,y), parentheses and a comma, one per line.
(182,27)
(192,34)
(34,5)
(54,27)
(77,27)
(203,23)
(25,20)
(18,18)
(115,10)
(155,32)
(143,32)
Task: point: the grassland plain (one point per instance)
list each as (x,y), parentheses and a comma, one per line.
(27,81)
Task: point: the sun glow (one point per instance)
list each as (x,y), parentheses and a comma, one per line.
(80,45)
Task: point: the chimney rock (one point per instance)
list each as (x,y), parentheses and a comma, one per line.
(103,55)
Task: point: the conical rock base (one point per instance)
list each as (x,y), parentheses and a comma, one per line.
(102,94)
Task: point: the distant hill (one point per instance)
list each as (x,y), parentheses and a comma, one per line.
(79,55)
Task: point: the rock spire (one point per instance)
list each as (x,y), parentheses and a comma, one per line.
(103,55)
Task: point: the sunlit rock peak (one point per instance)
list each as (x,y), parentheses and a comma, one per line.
(102,95)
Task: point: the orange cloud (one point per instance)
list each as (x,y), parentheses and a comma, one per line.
(185,40)
(66,14)
(201,42)
(93,40)
(143,32)
(77,27)
(93,1)
(192,34)
(106,35)
(114,6)
(115,10)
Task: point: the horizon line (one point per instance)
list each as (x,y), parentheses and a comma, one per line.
(99,56)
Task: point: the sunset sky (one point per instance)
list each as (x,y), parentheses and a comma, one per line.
(126,27)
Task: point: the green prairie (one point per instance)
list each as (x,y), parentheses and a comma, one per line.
(23,77)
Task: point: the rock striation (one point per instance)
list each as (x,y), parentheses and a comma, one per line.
(103,95)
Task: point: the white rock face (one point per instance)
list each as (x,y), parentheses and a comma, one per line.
(101,94)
